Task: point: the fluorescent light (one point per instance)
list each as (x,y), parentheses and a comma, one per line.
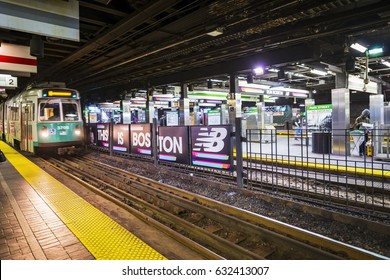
(358,47)
(318,72)
(375,51)
(259,70)
(216,32)
(386,63)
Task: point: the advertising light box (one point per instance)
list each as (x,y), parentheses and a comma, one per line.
(173,144)
(103,135)
(121,139)
(141,139)
(211,146)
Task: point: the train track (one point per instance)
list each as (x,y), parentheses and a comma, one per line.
(322,188)
(328,187)
(212,228)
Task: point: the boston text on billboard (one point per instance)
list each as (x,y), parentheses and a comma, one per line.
(141,139)
(211,146)
(173,144)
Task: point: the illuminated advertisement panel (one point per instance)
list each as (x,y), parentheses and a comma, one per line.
(121,139)
(211,146)
(103,132)
(141,139)
(173,144)
(92,134)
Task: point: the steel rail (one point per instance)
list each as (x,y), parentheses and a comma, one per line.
(248,220)
(196,247)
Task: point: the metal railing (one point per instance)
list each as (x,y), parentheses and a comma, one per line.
(309,165)
(317,165)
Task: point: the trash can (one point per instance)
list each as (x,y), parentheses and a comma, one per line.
(321,142)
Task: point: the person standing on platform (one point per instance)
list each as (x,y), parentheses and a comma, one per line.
(296,122)
(363,118)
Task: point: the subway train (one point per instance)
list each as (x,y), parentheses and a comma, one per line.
(44,119)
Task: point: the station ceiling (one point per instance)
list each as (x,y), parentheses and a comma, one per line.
(137,44)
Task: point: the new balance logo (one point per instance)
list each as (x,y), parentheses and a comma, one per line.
(210,141)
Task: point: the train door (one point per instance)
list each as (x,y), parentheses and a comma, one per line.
(26,127)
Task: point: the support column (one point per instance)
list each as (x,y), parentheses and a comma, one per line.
(184,110)
(340,121)
(377,118)
(234,104)
(239,158)
(149,106)
(235,118)
(341,80)
(260,112)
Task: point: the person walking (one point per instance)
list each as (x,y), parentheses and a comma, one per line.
(296,122)
(360,120)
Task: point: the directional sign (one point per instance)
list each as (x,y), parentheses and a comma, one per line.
(7,81)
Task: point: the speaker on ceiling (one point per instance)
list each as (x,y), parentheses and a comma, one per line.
(36,46)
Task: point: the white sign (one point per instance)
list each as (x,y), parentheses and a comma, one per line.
(8,81)
(58,19)
(357,83)
(17,58)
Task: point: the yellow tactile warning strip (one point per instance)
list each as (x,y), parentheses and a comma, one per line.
(320,166)
(102,236)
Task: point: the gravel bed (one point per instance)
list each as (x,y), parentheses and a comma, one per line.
(284,210)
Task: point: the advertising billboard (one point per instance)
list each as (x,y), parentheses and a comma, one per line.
(173,144)
(319,117)
(103,132)
(121,139)
(211,146)
(141,139)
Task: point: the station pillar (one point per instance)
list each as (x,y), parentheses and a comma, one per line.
(377,118)
(184,106)
(235,95)
(149,105)
(341,115)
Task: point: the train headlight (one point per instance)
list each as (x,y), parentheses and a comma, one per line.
(77,130)
(44,132)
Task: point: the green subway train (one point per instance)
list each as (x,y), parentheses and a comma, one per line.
(40,120)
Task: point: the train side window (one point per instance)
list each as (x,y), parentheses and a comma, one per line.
(14,113)
(30,112)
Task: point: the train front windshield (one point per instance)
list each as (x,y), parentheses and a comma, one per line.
(58,111)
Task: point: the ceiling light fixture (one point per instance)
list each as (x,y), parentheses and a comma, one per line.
(318,72)
(386,63)
(259,70)
(358,47)
(216,32)
(375,51)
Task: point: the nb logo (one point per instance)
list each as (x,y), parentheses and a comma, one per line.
(210,141)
